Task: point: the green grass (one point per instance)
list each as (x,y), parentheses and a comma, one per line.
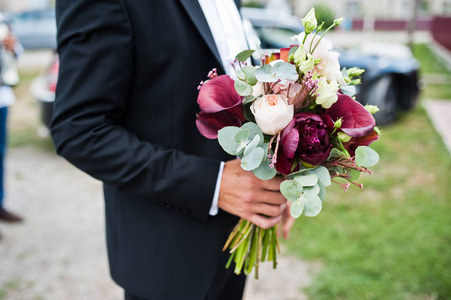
(391,240)
(429,64)
(29,137)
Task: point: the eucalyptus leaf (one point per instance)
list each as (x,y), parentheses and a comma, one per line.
(253,159)
(312,205)
(365,156)
(244,55)
(242,135)
(296,209)
(307,180)
(302,171)
(226,138)
(265,74)
(254,130)
(240,149)
(348,90)
(322,192)
(291,190)
(240,74)
(293,50)
(312,190)
(242,88)
(354,174)
(264,171)
(323,175)
(336,153)
(248,99)
(249,72)
(285,70)
(252,145)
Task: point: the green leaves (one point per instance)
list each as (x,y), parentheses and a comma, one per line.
(365,156)
(307,191)
(242,88)
(248,143)
(291,190)
(244,55)
(279,72)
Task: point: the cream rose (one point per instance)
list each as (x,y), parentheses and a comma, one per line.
(272,113)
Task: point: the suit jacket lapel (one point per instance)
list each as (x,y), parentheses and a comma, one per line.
(197,16)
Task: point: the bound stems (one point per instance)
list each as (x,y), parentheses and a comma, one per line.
(249,245)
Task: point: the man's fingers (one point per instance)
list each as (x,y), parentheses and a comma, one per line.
(273,184)
(289,222)
(268,209)
(275,198)
(264,222)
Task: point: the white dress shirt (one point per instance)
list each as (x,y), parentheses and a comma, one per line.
(226,27)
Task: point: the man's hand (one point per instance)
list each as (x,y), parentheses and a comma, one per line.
(287,222)
(244,195)
(10,42)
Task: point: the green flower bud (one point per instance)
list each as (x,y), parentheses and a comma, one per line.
(299,56)
(372,108)
(309,21)
(356,81)
(338,123)
(338,21)
(343,137)
(307,64)
(378,131)
(355,71)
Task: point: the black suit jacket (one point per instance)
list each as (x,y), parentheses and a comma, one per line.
(125,113)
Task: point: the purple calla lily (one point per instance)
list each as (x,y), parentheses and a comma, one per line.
(220,106)
(356,120)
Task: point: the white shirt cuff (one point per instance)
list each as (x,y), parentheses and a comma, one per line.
(214,204)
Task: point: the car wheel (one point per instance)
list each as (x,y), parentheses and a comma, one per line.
(383,93)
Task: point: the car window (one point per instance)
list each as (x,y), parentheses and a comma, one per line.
(275,37)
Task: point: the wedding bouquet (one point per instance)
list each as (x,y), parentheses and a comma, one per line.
(294,115)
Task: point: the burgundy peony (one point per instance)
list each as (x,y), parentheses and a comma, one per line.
(305,138)
(220,106)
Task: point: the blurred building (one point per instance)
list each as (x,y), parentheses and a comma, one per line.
(387,9)
(23,5)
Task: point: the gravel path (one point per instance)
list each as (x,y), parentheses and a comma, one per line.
(59,251)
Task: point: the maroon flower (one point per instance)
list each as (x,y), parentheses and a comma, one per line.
(365,140)
(305,138)
(220,106)
(356,120)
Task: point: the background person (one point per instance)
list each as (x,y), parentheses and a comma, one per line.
(7,43)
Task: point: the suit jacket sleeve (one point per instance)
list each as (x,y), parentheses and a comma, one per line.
(95,43)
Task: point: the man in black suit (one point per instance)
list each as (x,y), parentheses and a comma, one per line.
(125,113)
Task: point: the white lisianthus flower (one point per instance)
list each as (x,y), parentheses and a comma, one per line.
(272,113)
(326,93)
(328,65)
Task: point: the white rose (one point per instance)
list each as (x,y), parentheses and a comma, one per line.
(258,89)
(272,113)
(326,93)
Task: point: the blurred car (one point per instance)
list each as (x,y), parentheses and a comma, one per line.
(35,29)
(390,81)
(391,77)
